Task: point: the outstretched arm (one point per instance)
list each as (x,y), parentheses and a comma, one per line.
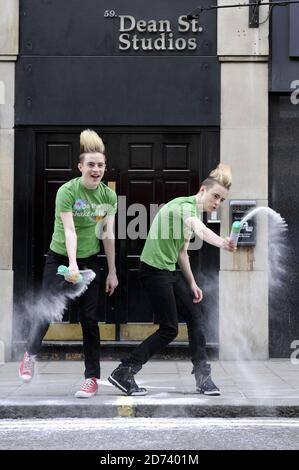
(207,235)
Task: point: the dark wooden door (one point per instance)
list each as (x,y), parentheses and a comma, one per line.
(57,163)
(155,168)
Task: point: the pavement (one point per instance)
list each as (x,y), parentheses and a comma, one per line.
(249,389)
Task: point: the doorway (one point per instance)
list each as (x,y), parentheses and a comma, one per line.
(147,166)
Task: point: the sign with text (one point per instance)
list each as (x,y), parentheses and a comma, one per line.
(157,34)
(117,63)
(137,27)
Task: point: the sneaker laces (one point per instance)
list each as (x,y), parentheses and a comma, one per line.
(209,383)
(87,383)
(28,361)
(207,380)
(131,380)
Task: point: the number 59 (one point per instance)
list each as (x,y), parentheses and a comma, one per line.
(109,14)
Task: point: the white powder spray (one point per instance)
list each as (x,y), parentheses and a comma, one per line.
(50,307)
(277,245)
(240,327)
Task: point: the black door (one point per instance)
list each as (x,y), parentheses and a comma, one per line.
(56,163)
(154,168)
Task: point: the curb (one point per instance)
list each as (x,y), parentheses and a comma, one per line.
(146,411)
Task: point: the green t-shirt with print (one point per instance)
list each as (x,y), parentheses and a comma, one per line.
(89,208)
(168,233)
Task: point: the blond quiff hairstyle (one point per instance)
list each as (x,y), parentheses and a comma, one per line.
(222,174)
(90,142)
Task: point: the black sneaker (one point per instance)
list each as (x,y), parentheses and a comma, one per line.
(205,385)
(123,378)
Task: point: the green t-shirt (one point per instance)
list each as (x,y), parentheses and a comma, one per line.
(89,208)
(168,233)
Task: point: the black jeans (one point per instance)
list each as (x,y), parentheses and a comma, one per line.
(52,286)
(167,291)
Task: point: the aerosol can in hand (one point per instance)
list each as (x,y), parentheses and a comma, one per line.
(235,232)
(74,278)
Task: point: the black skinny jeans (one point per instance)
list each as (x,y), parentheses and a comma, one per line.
(168,290)
(52,286)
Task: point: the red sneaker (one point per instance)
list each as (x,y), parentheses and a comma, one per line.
(26,370)
(88,389)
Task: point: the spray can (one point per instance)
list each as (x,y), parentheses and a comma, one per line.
(235,232)
(69,276)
